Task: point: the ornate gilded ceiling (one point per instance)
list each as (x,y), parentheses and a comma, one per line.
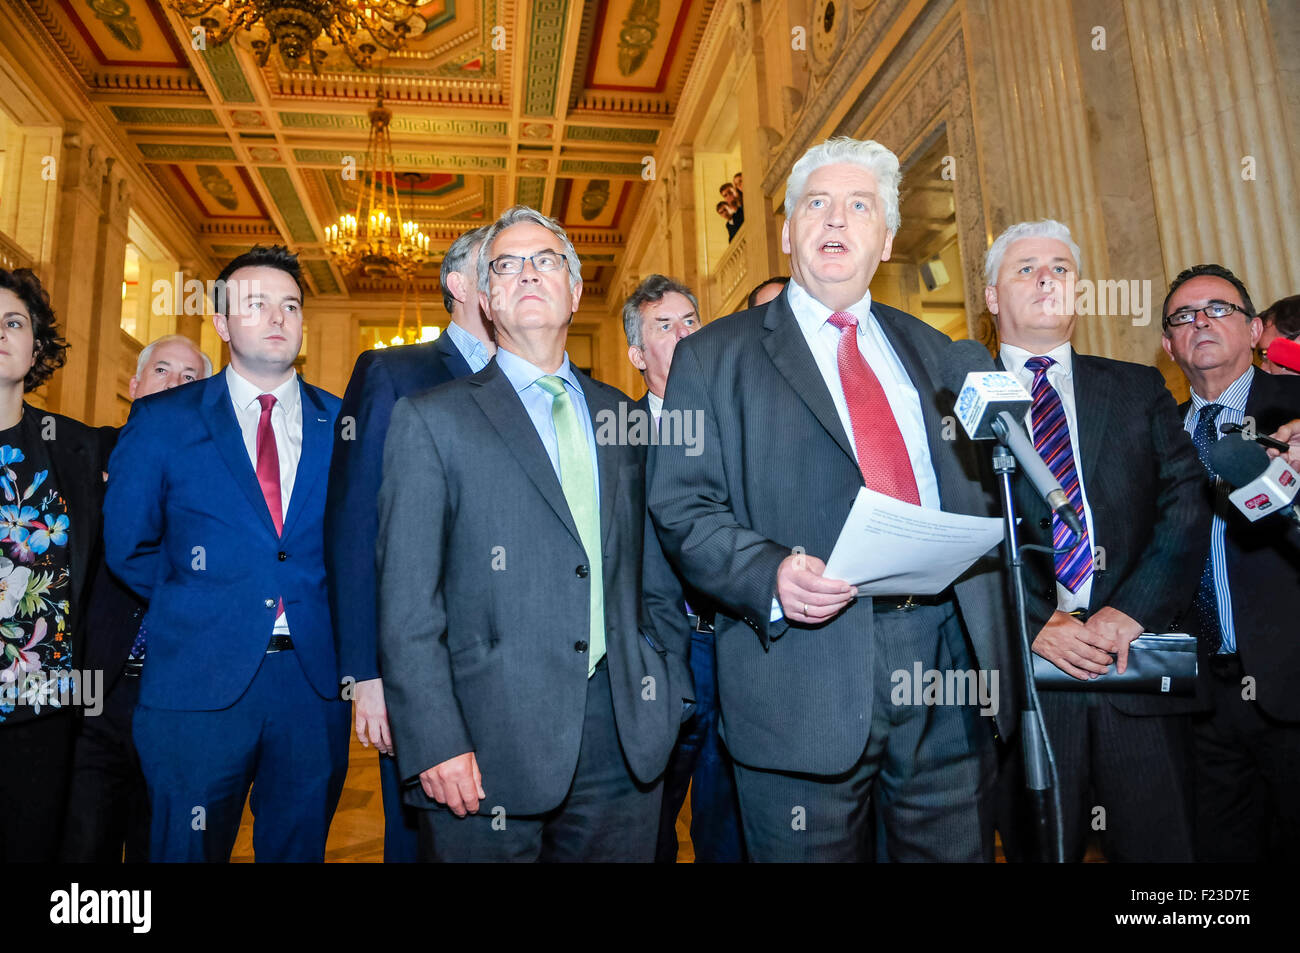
(554,103)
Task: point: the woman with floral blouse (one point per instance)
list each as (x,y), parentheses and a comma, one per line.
(51,489)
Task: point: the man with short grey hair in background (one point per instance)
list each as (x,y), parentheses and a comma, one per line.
(380,378)
(658,314)
(804,402)
(108,802)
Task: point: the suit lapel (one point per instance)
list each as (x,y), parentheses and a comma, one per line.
(452,359)
(219,415)
(315,457)
(606,456)
(789,351)
(1091,392)
(497,399)
(941,457)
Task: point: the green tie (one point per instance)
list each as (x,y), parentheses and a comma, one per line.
(578,481)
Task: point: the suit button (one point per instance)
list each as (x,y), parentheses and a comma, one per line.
(1045,523)
(282,556)
(580,646)
(582,572)
(1049,593)
(269,603)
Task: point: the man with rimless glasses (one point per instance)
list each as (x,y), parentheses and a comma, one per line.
(531,633)
(1247,750)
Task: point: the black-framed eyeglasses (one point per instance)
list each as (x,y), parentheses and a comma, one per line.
(514,264)
(1218,310)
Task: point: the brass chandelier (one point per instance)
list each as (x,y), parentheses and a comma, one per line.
(374,239)
(365,29)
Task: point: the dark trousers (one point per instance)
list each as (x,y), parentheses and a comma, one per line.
(701,763)
(35,764)
(281,738)
(1127,777)
(108,801)
(606,816)
(1247,770)
(928,768)
(401,821)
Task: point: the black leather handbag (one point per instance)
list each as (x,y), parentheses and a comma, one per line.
(1157,665)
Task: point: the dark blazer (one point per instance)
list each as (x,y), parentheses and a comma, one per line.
(378,380)
(777,470)
(114,611)
(484,597)
(1143,481)
(187,528)
(1264,568)
(76,470)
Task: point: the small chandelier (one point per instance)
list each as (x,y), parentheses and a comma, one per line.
(374,239)
(361,27)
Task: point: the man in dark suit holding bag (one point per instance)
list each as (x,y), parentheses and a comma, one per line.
(1110,433)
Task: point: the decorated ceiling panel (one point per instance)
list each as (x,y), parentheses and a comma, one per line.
(552,103)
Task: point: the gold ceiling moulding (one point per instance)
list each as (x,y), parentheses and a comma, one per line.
(367,30)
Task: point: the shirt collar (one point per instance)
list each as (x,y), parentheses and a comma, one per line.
(244,393)
(812,314)
(468,345)
(1014,358)
(524,374)
(656,405)
(1235,396)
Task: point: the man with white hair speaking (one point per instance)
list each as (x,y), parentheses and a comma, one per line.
(805,400)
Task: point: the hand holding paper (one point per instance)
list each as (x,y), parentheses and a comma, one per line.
(888,547)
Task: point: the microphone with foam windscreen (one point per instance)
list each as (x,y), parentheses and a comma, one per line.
(991,405)
(1263,487)
(1285,353)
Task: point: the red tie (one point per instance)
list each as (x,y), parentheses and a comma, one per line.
(882,454)
(268,462)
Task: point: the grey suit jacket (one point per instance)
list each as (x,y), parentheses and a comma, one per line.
(484,597)
(777,470)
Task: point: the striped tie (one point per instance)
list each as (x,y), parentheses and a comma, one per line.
(1207,600)
(1052,441)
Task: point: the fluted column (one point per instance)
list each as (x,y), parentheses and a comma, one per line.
(1222,166)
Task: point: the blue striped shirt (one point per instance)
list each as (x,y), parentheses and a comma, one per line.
(1234,411)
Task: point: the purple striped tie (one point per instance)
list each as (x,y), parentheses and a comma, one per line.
(1052,441)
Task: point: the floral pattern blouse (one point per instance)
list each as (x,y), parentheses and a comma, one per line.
(36,667)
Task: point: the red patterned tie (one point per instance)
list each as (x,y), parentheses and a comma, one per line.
(882,453)
(268,462)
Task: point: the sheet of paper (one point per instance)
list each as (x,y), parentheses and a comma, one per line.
(888,547)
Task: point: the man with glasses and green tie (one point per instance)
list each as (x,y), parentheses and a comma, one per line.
(531,634)
(1247,750)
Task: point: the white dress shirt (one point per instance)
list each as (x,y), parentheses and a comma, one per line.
(1061,376)
(823,339)
(286,422)
(656,406)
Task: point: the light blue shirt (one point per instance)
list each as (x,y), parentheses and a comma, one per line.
(471,348)
(523,376)
(1234,411)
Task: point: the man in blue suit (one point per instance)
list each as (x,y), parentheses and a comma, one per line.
(214,514)
(379,380)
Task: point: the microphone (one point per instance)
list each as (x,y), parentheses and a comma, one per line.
(1264,487)
(991,405)
(1285,353)
(1257,437)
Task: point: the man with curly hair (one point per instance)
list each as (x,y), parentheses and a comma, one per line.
(50,468)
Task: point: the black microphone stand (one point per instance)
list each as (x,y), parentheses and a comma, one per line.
(1040,764)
